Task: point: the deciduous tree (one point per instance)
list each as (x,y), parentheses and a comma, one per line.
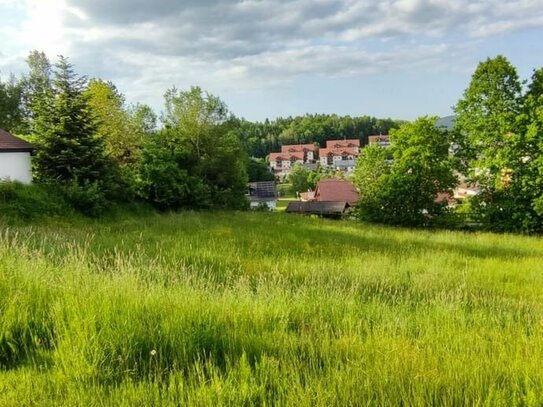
(198,135)
(11,114)
(405,191)
(499,148)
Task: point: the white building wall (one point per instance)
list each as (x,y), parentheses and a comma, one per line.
(16,167)
(272,205)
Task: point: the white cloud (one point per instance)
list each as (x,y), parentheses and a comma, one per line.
(148,46)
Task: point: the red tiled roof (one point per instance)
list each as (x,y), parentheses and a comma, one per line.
(10,143)
(290,148)
(375,139)
(336,190)
(338,151)
(342,143)
(299,155)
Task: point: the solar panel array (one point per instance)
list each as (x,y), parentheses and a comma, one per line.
(264,189)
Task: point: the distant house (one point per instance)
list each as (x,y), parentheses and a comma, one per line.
(262,194)
(336,190)
(307,196)
(15,160)
(340,154)
(381,140)
(332,197)
(465,190)
(446,198)
(281,163)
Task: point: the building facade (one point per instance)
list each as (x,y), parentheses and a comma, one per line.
(340,154)
(291,154)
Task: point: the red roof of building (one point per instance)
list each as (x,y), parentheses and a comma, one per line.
(12,144)
(342,143)
(336,190)
(339,151)
(291,148)
(299,155)
(378,138)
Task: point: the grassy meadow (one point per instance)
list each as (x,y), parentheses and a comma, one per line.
(266,309)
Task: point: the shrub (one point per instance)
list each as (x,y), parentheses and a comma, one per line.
(19,201)
(88,199)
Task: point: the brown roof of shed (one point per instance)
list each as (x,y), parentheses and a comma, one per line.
(12,144)
(317,208)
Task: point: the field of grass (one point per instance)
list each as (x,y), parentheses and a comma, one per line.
(267,309)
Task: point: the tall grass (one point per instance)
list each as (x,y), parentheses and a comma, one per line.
(267,309)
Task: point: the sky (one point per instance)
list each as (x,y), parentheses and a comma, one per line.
(268,58)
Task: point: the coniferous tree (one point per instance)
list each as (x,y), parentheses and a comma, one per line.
(68,149)
(68,152)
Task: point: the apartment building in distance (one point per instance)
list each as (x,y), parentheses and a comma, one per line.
(340,154)
(290,154)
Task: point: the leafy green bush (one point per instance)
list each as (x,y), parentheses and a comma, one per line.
(29,202)
(258,170)
(88,199)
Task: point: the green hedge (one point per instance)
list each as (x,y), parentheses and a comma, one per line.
(29,202)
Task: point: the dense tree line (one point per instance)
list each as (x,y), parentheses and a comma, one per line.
(97,149)
(94,149)
(495,146)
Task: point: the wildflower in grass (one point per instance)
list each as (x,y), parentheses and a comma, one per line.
(153,352)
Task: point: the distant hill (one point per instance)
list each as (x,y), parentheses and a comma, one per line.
(447,122)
